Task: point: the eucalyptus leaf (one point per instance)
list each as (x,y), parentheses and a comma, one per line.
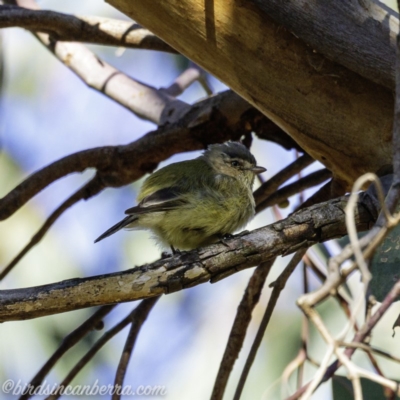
(385,265)
(343,389)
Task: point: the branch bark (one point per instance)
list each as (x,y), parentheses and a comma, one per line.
(217,119)
(302,229)
(364,43)
(334,114)
(95,30)
(144,100)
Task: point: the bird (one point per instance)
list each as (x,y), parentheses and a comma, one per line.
(194,203)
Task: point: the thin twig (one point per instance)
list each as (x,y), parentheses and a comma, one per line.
(238,332)
(370,349)
(68,342)
(302,356)
(190,75)
(277,288)
(358,338)
(139,314)
(93,187)
(313,179)
(136,325)
(270,187)
(304,328)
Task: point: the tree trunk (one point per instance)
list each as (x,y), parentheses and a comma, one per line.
(341,118)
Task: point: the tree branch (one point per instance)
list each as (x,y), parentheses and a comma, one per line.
(96,30)
(269,188)
(137,316)
(278,286)
(313,179)
(319,103)
(302,229)
(359,337)
(90,189)
(68,342)
(238,332)
(364,43)
(145,101)
(141,313)
(214,120)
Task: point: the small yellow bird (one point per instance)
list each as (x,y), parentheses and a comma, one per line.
(194,203)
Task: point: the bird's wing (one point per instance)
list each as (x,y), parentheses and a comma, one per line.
(161,200)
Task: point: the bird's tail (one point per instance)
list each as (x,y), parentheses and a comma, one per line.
(121,224)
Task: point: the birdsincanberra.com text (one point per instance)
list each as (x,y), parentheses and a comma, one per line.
(18,388)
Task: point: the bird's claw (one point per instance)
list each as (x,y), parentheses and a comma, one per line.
(224,239)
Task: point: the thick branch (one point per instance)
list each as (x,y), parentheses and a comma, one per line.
(96,30)
(365,42)
(334,114)
(216,119)
(304,228)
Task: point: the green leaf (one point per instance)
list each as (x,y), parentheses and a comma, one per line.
(343,389)
(385,265)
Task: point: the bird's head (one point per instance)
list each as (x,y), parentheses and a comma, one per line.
(233,159)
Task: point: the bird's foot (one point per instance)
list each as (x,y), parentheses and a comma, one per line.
(223,239)
(175,251)
(166,254)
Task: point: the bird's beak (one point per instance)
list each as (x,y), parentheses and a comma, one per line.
(257,169)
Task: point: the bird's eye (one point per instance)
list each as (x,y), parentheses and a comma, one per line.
(235,163)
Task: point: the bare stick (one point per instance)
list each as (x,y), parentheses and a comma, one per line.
(190,75)
(96,30)
(370,349)
(143,100)
(313,179)
(268,188)
(139,314)
(68,342)
(136,325)
(358,338)
(302,356)
(278,286)
(238,332)
(92,187)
